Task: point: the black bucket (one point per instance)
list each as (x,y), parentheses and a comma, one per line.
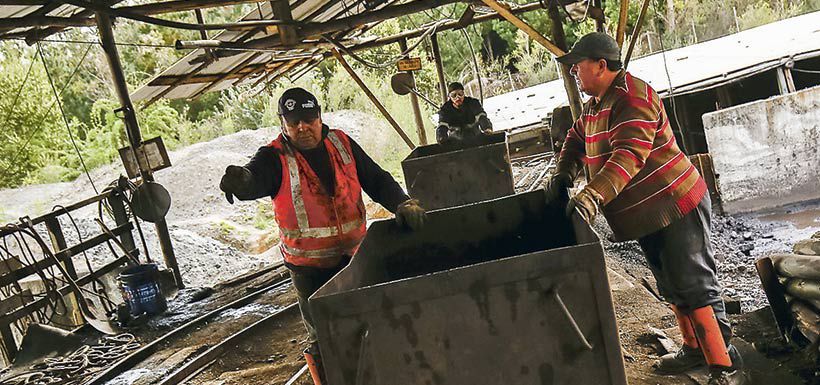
(141,291)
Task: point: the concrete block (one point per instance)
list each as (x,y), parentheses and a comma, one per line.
(765,152)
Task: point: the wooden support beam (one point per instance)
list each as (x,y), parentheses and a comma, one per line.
(236,69)
(570,86)
(44,21)
(522,25)
(373,98)
(636,32)
(622,16)
(414,102)
(287,33)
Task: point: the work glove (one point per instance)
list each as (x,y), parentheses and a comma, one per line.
(411,214)
(586,201)
(237,180)
(557,185)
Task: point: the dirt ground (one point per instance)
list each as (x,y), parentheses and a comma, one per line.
(215,241)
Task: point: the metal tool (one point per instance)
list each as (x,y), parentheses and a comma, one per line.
(403,83)
(151,201)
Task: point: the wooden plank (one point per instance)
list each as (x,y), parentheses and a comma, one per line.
(16,275)
(31,307)
(15,301)
(9,264)
(622,16)
(522,25)
(35,221)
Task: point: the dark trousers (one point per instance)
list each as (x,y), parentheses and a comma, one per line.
(306,280)
(681,259)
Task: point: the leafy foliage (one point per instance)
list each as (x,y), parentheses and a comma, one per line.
(34,143)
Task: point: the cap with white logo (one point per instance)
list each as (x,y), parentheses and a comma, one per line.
(297,100)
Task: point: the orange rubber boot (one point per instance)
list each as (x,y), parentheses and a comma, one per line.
(689,355)
(314,363)
(709,337)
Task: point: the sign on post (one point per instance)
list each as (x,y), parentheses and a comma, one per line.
(411,64)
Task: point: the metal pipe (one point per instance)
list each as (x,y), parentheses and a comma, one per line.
(373,98)
(134,135)
(571,320)
(414,101)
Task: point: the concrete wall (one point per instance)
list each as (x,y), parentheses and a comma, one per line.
(767,153)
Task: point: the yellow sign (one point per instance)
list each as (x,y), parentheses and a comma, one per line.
(411,64)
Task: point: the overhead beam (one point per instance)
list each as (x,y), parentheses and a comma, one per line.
(221,78)
(522,25)
(44,21)
(287,33)
(417,6)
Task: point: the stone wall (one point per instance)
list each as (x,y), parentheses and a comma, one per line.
(766,153)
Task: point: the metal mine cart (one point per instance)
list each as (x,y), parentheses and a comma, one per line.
(447,176)
(507,291)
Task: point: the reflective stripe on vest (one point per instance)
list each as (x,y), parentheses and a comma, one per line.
(313,236)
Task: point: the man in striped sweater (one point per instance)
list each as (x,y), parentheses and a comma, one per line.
(649,191)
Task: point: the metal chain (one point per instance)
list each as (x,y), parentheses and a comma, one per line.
(74,368)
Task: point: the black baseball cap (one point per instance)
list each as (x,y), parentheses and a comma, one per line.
(595,45)
(455,86)
(297,102)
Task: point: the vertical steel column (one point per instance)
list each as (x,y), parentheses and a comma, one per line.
(134,135)
(442,84)
(414,100)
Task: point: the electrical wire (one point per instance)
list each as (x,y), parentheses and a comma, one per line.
(62,112)
(19,91)
(475,65)
(41,120)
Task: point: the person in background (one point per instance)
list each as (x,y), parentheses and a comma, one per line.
(461,118)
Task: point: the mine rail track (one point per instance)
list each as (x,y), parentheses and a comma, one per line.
(201,361)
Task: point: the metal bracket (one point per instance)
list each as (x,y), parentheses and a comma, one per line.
(362,352)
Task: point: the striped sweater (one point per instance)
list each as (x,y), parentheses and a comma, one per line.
(630,157)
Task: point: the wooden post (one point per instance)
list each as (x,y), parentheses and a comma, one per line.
(55,233)
(287,33)
(573,95)
(134,135)
(414,102)
(372,97)
(619,35)
(636,32)
(442,84)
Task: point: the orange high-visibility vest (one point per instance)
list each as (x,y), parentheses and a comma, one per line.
(318,228)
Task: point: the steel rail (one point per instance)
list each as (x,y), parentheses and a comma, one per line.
(194,366)
(146,351)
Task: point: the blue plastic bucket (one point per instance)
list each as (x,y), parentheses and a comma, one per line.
(141,291)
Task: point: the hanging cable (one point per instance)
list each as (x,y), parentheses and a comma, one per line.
(475,65)
(19,91)
(41,122)
(62,112)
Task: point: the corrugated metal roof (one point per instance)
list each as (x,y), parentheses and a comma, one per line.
(692,68)
(245,67)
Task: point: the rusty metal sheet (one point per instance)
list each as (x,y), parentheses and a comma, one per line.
(505,291)
(445,176)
